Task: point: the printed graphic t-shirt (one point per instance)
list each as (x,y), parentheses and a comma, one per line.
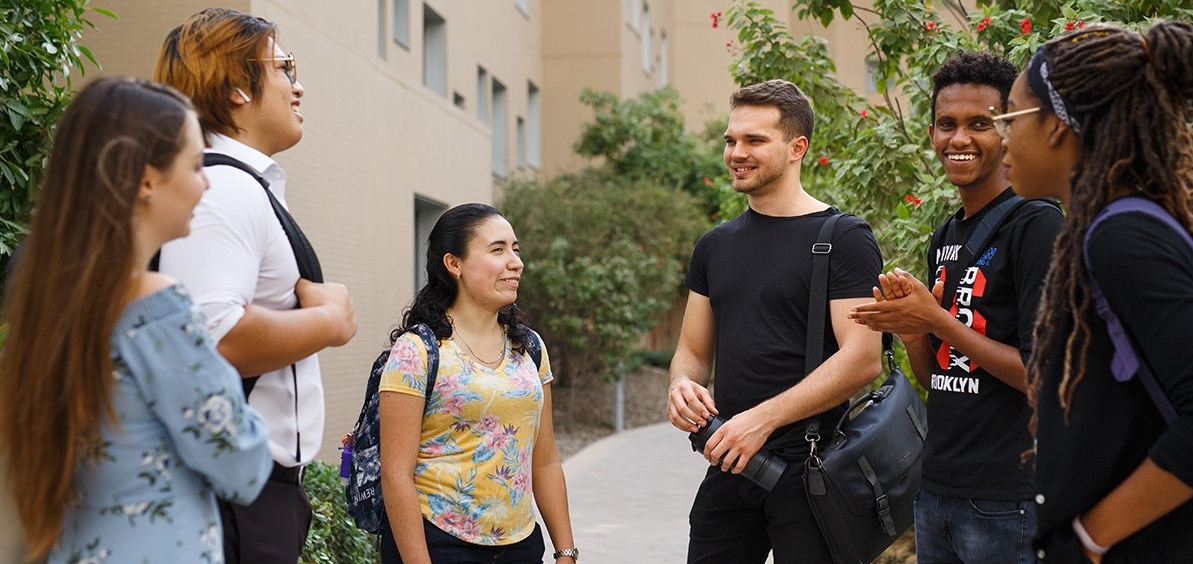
(977,425)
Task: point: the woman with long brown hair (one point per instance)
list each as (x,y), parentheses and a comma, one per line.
(1101,117)
(119,422)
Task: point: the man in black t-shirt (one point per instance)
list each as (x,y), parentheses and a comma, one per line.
(747,312)
(969,349)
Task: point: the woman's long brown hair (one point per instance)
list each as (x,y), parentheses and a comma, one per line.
(68,289)
(1131,93)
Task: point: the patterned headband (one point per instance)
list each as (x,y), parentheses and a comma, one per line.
(1037,79)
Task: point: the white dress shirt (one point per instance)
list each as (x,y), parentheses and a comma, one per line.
(238,254)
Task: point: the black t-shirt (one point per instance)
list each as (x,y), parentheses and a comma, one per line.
(756,272)
(1146,273)
(977,424)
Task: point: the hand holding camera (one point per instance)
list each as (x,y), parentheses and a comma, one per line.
(764,468)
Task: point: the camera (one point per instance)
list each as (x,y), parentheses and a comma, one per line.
(764,468)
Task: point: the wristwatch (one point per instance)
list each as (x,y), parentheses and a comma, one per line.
(573,552)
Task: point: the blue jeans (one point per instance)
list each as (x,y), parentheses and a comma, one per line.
(448,549)
(973,531)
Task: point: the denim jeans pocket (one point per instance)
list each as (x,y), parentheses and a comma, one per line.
(995,508)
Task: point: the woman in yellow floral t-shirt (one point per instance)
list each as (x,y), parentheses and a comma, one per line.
(458,471)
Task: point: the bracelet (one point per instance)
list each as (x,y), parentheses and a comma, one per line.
(1086,540)
(573,552)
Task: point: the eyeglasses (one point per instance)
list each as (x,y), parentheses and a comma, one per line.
(289,66)
(1002,122)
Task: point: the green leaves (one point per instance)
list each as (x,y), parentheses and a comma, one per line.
(334,538)
(38,53)
(604,256)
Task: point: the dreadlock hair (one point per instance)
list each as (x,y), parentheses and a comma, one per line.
(1131,96)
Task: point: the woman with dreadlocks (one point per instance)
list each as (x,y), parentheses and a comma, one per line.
(1102,115)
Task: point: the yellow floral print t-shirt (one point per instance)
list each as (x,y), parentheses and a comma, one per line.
(474,458)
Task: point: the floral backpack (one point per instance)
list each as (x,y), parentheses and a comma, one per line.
(360,462)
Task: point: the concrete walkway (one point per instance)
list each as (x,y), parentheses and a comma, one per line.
(629,496)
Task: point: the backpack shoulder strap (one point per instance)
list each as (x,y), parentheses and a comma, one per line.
(1126,363)
(304,254)
(977,241)
(431,342)
(535,349)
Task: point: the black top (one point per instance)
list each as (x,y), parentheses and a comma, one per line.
(977,425)
(1146,273)
(756,272)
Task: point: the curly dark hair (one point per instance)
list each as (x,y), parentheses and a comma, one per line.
(1131,97)
(971,67)
(451,234)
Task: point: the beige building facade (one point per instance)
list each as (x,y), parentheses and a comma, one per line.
(413,106)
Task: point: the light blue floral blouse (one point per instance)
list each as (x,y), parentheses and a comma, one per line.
(185,435)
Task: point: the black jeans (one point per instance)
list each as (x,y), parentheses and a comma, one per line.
(736,522)
(447,549)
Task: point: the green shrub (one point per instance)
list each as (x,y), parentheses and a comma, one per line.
(334,538)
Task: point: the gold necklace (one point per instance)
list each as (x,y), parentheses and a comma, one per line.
(456,333)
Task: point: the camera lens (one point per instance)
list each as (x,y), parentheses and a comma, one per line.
(764,468)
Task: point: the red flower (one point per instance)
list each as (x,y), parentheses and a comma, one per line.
(1080,24)
(716,19)
(912,200)
(1069,26)
(982,25)
(1025,25)
(863,113)
(930,25)
(707,181)
(823,160)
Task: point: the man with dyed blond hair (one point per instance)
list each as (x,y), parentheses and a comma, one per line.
(269,317)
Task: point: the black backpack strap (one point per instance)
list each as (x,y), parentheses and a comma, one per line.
(535,349)
(304,253)
(818,294)
(431,342)
(976,242)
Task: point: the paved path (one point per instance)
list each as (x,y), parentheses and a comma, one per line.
(629,496)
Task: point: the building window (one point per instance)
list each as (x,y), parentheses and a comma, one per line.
(426,213)
(533,127)
(458,100)
(523,6)
(520,142)
(381,29)
(434,51)
(633,12)
(662,71)
(401,29)
(482,95)
(647,40)
(872,71)
(500,130)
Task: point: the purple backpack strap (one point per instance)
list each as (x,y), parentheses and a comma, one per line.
(1126,362)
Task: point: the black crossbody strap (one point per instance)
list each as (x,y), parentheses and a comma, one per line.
(818,294)
(304,257)
(976,242)
(304,253)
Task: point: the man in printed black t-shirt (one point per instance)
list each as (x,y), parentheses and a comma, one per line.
(970,349)
(748,310)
